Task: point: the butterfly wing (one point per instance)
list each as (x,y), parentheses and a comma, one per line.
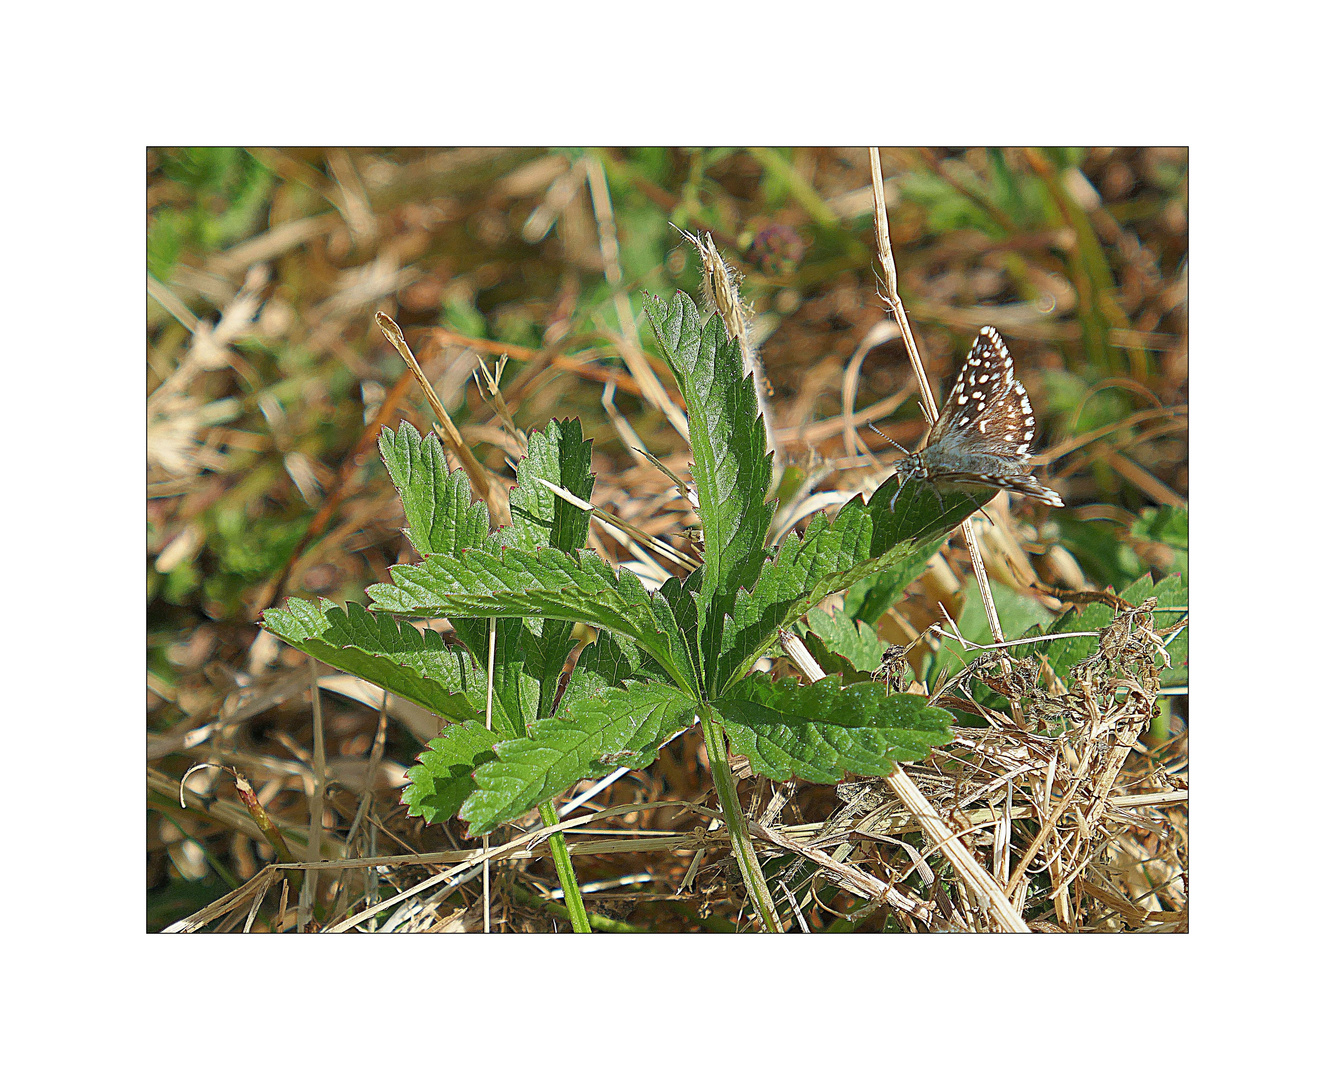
(985,427)
(987,409)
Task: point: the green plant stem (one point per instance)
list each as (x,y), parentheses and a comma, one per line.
(565,870)
(745,853)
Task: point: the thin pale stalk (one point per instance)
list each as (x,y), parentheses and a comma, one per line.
(649,383)
(738,832)
(485,485)
(984,586)
(886,253)
(307,898)
(983,884)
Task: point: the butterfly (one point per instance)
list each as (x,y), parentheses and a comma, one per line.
(983,433)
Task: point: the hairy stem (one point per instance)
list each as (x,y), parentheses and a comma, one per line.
(745,853)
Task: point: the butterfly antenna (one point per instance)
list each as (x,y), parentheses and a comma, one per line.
(887,438)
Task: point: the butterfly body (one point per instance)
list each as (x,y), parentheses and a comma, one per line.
(983,433)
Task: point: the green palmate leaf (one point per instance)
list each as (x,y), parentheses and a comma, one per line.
(1065,653)
(611,661)
(917,512)
(558,455)
(540,517)
(864,538)
(442,517)
(855,641)
(529,654)
(444,521)
(616,728)
(732,464)
(821,731)
(546,584)
(443,777)
(516,687)
(416,665)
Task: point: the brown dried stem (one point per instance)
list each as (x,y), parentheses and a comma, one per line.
(486,484)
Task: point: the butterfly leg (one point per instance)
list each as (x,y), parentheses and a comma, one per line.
(895,496)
